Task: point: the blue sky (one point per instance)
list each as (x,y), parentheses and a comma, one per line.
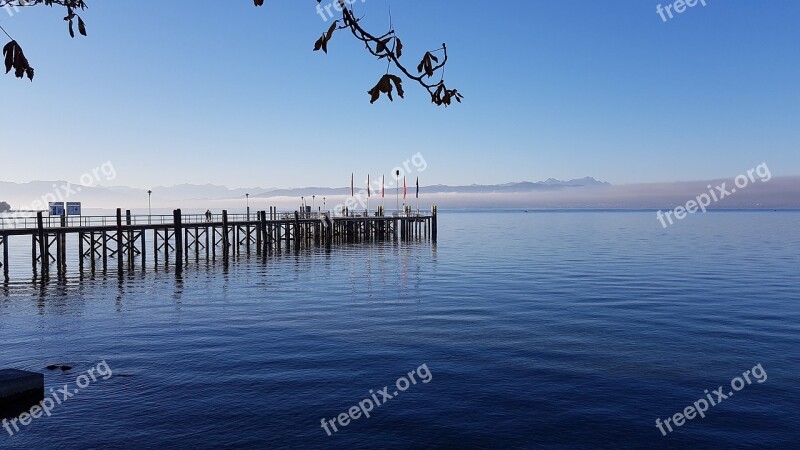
(173,93)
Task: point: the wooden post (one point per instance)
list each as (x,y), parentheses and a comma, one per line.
(155,245)
(93,243)
(130,244)
(59,247)
(236,241)
(81,236)
(166,242)
(270,237)
(260,230)
(144,247)
(433,223)
(105,250)
(213,242)
(225,243)
(119,240)
(5,256)
(44,252)
(296,230)
(330,229)
(177,219)
(207,249)
(248,230)
(197,243)
(33,253)
(288,235)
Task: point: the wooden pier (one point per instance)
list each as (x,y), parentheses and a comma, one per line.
(179,238)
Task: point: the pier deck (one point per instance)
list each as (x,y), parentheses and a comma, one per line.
(124,237)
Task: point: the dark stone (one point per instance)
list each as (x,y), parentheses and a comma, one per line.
(19,390)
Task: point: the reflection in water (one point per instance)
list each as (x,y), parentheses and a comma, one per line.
(375,269)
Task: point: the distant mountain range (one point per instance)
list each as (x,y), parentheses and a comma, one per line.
(778,193)
(551,184)
(21,195)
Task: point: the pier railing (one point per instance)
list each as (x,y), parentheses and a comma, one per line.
(31,221)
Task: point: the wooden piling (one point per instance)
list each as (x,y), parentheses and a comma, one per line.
(434,212)
(119,240)
(105,250)
(177,219)
(5,256)
(225,242)
(94,247)
(34,257)
(130,243)
(44,252)
(262,230)
(144,247)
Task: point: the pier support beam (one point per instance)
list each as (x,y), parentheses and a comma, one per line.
(225,243)
(434,212)
(4,242)
(44,252)
(177,218)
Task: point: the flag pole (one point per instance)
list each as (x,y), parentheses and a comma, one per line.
(405,194)
(418,196)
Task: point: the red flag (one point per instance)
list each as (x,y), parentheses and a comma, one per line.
(383,186)
(368,189)
(352,187)
(404,188)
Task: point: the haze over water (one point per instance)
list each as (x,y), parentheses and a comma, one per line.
(550,328)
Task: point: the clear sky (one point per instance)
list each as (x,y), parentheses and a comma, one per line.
(186,91)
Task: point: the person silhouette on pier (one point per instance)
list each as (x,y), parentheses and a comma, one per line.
(208,215)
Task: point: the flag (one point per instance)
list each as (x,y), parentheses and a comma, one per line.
(368,189)
(383,186)
(404,188)
(352,187)
(417,187)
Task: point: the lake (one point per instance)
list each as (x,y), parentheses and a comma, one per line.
(519,330)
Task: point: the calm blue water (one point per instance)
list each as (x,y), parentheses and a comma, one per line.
(573,329)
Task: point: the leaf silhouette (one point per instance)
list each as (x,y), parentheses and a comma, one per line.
(14,58)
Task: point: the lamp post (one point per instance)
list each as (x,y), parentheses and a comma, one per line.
(149,207)
(323,204)
(247,199)
(313,199)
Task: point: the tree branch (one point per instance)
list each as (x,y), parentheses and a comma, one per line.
(377,46)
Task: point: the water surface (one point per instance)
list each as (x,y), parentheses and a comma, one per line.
(550,328)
